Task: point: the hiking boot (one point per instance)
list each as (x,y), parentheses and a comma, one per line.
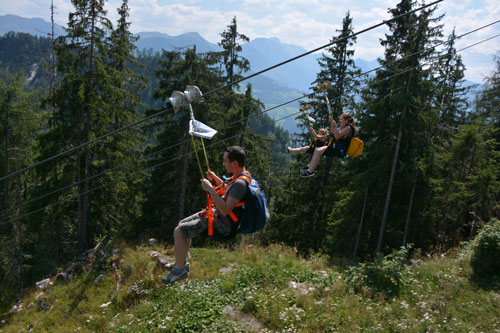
(307,174)
(170,267)
(174,277)
(287,149)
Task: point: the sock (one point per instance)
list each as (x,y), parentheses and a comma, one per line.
(177,271)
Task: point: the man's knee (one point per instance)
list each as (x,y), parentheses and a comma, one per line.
(178,232)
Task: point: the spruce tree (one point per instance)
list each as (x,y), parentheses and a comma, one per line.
(96,93)
(338,69)
(395,124)
(173,173)
(18,126)
(234,64)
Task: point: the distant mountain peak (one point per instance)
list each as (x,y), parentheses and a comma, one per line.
(33,26)
(152,34)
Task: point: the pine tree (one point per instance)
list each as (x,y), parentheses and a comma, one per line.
(464,181)
(18,126)
(233,63)
(395,128)
(171,164)
(337,68)
(96,93)
(451,101)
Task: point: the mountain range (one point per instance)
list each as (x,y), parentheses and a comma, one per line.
(274,87)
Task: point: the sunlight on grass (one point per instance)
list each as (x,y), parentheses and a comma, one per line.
(259,289)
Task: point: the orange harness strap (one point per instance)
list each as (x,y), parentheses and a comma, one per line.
(208,212)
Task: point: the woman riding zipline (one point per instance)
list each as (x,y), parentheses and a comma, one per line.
(342,134)
(319,140)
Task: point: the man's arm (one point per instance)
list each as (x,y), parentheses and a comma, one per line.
(225,207)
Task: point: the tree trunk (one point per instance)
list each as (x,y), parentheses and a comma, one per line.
(244,129)
(360,224)
(52,53)
(6,151)
(18,236)
(185,163)
(87,153)
(391,183)
(82,236)
(409,209)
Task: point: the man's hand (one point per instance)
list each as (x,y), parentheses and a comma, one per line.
(206,185)
(211,176)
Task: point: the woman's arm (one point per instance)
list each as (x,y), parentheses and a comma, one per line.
(339,134)
(316,135)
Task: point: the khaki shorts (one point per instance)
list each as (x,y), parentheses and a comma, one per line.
(194,226)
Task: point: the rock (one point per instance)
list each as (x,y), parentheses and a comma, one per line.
(97,279)
(16,308)
(226,270)
(154,254)
(42,285)
(63,276)
(105,305)
(43,305)
(161,261)
(300,288)
(324,273)
(152,241)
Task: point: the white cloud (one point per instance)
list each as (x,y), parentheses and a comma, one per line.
(307,23)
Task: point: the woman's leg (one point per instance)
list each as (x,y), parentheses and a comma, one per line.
(318,152)
(298,150)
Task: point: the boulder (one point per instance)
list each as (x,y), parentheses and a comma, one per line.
(42,285)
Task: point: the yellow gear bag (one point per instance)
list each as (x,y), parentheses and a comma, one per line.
(355,147)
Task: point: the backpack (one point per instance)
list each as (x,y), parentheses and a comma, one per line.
(355,147)
(255,209)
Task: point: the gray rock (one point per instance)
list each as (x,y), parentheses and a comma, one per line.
(42,285)
(154,254)
(97,279)
(161,261)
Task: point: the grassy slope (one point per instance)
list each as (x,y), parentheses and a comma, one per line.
(259,289)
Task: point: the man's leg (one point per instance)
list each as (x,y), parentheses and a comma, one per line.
(181,247)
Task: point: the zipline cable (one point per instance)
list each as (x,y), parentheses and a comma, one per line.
(322,47)
(259,113)
(215,90)
(81,145)
(234,136)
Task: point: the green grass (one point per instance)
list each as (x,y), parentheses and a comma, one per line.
(264,289)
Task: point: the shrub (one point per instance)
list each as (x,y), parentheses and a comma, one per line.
(485,258)
(386,274)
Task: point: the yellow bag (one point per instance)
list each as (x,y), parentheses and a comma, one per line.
(355,147)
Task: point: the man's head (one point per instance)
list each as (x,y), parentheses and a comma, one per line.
(234,157)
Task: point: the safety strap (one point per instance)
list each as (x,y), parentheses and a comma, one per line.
(208,212)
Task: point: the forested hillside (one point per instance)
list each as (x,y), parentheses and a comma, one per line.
(73,172)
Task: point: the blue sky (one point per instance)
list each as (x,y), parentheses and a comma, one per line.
(307,23)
